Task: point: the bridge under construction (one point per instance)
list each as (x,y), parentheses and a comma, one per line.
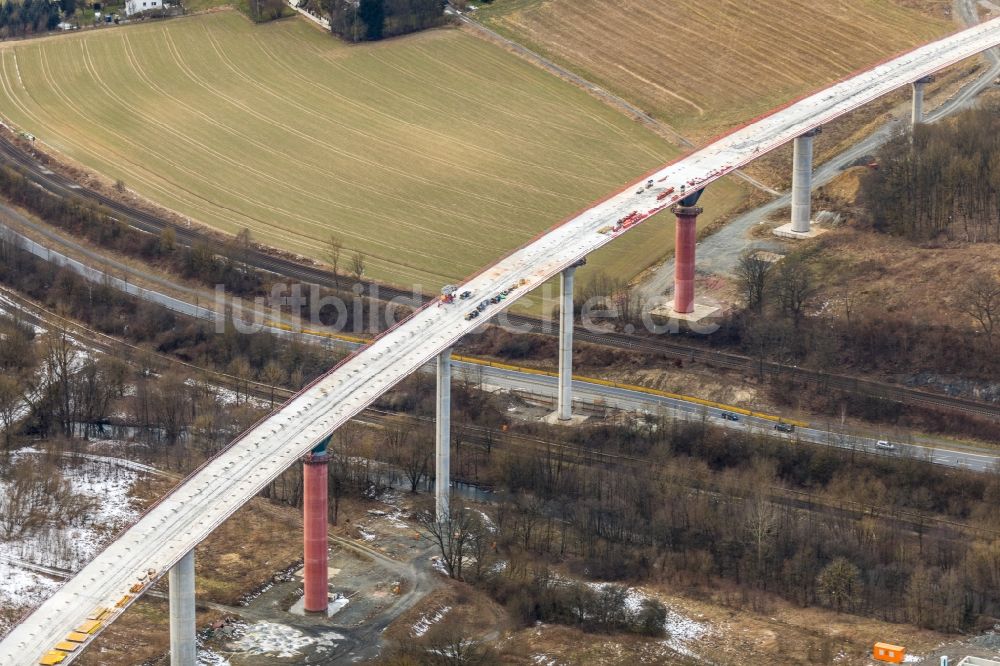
(163,540)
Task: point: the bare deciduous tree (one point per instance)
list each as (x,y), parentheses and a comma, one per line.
(409,449)
(334,247)
(358,266)
(752,276)
(793,286)
(839,584)
(10,405)
(454,535)
(982,303)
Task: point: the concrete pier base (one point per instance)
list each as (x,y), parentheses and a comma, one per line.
(788,231)
(442,457)
(699,313)
(183,644)
(555,419)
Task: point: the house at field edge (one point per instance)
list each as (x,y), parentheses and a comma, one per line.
(133,7)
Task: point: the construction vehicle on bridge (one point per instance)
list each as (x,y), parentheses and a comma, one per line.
(448,293)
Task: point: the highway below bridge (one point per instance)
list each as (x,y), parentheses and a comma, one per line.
(590,395)
(172,527)
(659,344)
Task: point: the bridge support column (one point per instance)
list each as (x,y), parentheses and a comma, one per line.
(686,237)
(802,182)
(442,458)
(801,189)
(564,409)
(917,113)
(182,622)
(316,576)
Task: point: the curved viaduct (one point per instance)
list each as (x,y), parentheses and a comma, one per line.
(170,530)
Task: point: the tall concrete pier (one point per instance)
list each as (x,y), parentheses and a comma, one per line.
(917,111)
(564,409)
(183,644)
(442,440)
(802,171)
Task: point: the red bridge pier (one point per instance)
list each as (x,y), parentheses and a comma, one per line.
(686,237)
(316,579)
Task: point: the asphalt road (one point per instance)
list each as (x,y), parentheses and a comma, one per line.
(939,452)
(118,276)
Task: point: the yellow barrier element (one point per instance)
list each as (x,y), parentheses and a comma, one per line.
(99,613)
(66,646)
(77,637)
(311,331)
(52,657)
(89,627)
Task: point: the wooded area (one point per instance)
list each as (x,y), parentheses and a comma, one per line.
(939,180)
(889,537)
(27,17)
(679,502)
(370,20)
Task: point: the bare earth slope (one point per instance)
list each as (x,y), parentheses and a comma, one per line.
(706,65)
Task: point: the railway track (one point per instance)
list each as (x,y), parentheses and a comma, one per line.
(803,501)
(799,500)
(62,186)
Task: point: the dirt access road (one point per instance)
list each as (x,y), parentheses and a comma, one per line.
(719,253)
(363,573)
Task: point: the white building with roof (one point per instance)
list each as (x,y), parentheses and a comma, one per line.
(133,7)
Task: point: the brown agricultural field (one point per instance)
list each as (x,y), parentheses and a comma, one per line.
(704,67)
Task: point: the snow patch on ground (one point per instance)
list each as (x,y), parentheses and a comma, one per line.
(337,605)
(207,657)
(281,641)
(21,588)
(488,522)
(10,308)
(911,659)
(71,546)
(395,517)
(64,547)
(227,397)
(426,620)
(682,630)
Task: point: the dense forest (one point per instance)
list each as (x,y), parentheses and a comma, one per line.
(689,504)
(369,20)
(941,179)
(28,17)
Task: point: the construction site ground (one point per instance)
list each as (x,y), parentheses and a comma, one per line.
(385,584)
